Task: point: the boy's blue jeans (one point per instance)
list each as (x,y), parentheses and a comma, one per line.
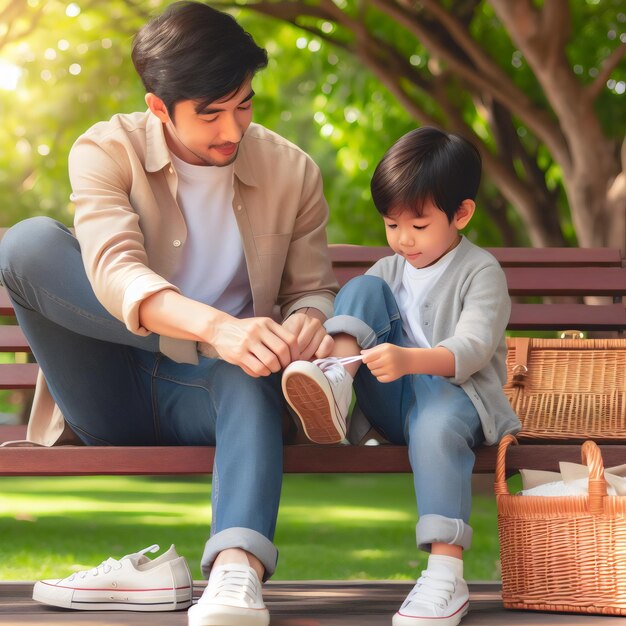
(114,388)
(435,418)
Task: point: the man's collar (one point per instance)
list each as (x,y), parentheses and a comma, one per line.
(158,153)
(244,169)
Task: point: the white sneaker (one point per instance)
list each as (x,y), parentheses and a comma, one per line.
(438,598)
(132,583)
(320,393)
(232,598)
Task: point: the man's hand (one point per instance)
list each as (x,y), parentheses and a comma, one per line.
(258,345)
(311,336)
(388,362)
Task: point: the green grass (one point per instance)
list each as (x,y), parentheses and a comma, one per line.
(330,526)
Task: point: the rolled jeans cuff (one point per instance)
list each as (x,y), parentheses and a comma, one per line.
(245,539)
(439,529)
(364,335)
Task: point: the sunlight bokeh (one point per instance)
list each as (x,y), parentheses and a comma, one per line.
(10,75)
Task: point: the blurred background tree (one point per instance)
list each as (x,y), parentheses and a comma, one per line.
(539,86)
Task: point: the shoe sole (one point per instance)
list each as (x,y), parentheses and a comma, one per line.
(310,396)
(64,597)
(215,615)
(452,620)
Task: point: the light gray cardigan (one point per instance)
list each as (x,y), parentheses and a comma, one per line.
(467,312)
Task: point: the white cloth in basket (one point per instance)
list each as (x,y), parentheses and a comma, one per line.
(572,480)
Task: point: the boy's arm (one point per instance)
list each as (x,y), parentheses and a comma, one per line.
(477,335)
(481,325)
(389,362)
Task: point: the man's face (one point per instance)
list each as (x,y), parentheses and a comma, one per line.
(210,136)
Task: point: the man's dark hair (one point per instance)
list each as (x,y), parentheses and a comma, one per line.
(425,165)
(194,52)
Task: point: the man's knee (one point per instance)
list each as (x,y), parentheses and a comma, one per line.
(30,245)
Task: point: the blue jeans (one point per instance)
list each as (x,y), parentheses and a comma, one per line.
(114,388)
(433,417)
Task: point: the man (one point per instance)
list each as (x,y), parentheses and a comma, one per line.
(198,272)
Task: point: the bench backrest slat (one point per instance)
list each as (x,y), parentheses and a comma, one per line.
(344,254)
(18,375)
(529,272)
(12,339)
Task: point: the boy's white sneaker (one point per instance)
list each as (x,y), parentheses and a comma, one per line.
(320,393)
(232,598)
(132,583)
(438,598)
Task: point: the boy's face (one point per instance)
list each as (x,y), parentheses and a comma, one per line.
(424,240)
(212,135)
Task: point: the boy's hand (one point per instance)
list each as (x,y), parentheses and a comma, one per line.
(311,336)
(387,361)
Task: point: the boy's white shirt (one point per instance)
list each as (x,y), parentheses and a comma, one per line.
(467,312)
(411,292)
(213,268)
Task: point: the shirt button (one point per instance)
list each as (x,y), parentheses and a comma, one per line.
(176,243)
(171,170)
(239,207)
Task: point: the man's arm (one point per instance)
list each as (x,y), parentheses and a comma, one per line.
(312,339)
(116,262)
(308,286)
(308,280)
(258,345)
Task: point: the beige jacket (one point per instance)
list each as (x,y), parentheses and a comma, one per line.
(132,232)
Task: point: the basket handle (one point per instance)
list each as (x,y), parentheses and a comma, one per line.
(592,457)
(500,487)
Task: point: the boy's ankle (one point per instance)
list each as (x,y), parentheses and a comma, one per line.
(450,563)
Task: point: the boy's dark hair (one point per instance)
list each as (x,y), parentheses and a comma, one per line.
(194,52)
(425,165)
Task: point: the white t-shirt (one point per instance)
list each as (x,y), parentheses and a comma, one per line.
(213,269)
(411,292)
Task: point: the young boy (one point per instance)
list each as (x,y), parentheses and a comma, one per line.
(428,324)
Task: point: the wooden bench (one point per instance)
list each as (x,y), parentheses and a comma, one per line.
(556,273)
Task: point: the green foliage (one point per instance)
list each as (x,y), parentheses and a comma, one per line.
(75,70)
(318,98)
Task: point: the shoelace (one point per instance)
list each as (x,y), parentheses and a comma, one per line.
(104,568)
(333,366)
(236,585)
(110,564)
(432,590)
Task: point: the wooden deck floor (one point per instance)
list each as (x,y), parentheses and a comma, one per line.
(303,603)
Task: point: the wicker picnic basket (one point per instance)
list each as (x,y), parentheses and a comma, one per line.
(563,553)
(568,388)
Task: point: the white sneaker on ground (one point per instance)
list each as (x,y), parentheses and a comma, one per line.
(132,583)
(232,598)
(440,597)
(320,393)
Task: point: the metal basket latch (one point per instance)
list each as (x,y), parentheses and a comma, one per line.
(520,368)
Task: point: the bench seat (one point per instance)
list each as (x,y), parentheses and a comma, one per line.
(532,274)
